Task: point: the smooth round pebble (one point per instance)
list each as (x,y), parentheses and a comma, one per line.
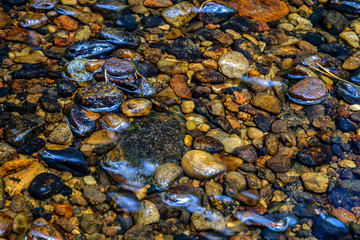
(231,143)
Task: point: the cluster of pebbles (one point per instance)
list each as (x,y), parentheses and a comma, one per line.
(169,119)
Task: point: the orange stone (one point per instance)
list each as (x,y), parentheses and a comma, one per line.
(66,22)
(261,10)
(180,87)
(44,230)
(230,162)
(14,166)
(63,209)
(158,3)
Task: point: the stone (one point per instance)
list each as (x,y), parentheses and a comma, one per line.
(201,223)
(119,37)
(91,223)
(137,6)
(136,107)
(309,91)
(279,163)
(315,155)
(166,174)
(24,128)
(63,209)
(82,16)
(213,12)
(42,228)
(315,182)
(88,49)
(348,92)
(99,97)
(93,195)
(201,165)
(231,163)
(32,58)
(264,10)
(179,85)
(61,134)
(115,122)
(69,159)
(172,66)
(184,48)
(237,180)
(110,9)
(267,102)
(209,76)
(44,185)
(179,14)
(33,20)
(5,21)
(246,153)
(158,3)
(6,224)
(32,146)
(152,21)
(350,38)
(255,133)
(231,143)
(66,22)
(233,64)
(79,122)
(124,201)
(208,144)
(43,5)
(147,214)
(334,22)
(127,22)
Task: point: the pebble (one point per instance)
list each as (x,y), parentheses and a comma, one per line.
(187,106)
(180,87)
(166,174)
(345,125)
(119,37)
(184,48)
(255,133)
(88,49)
(6,225)
(213,12)
(33,20)
(91,223)
(208,144)
(5,20)
(61,134)
(334,22)
(32,58)
(43,5)
(172,66)
(66,22)
(44,229)
(137,107)
(123,201)
(350,38)
(127,22)
(232,143)
(45,185)
(209,76)
(115,122)
(93,195)
(237,180)
(78,121)
(201,165)
(110,9)
(179,14)
(279,163)
(147,214)
(315,182)
(315,155)
(84,17)
(246,153)
(309,91)
(267,102)
(201,223)
(233,64)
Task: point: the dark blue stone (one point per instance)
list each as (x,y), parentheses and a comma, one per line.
(88,49)
(344,125)
(326,227)
(238,24)
(337,151)
(314,38)
(128,22)
(349,6)
(317,16)
(152,21)
(355,77)
(45,185)
(3,91)
(334,22)
(65,88)
(336,50)
(264,123)
(348,92)
(32,146)
(68,159)
(23,108)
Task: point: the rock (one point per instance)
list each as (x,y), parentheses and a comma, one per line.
(61,135)
(22,129)
(141,233)
(334,22)
(30,71)
(6,225)
(355,76)
(78,121)
(158,3)
(137,6)
(246,153)
(99,97)
(91,223)
(45,185)
(233,64)
(350,38)
(272,143)
(119,67)
(93,195)
(279,126)
(172,66)
(201,165)
(308,92)
(5,21)
(66,22)
(344,125)
(166,174)
(348,92)
(32,58)
(184,48)
(68,159)
(326,227)
(315,182)
(33,20)
(201,223)
(314,38)
(120,38)
(88,49)
(127,22)
(82,16)
(265,10)
(179,85)
(115,122)
(152,21)
(267,102)
(299,22)
(231,163)
(247,48)
(102,141)
(336,50)
(50,104)
(315,155)
(32,146)
(124,201)
(208,144)
(238,24)
(348,6)
(213,12)
(64,209)
(110,9)
(43,5)
(65,88)
(147,214)
(76,71)
(254,133)
(209,76)
(237,180)
(231,143)
(179,14)
(41,228)
(279,163)
(136,107)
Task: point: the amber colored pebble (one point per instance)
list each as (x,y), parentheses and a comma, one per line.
(180,87)
(63,209)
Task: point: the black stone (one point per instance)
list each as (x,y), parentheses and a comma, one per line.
(128,22)
(89,49)
(80,124)
(32,146)
(317,16)
(334,22)
(337,151)
(355,76)
(45,185)
(336,50)
(184,48)
(68,159)
(326,227)
(238,24)
(247,48)
(200,106)
(147,69)
(65,88)
(23,128)
(314,38)
(50,104)
(152,21)
(3,91)
(264,123)
(348,6)
(315,111)
(208,144)
(315,155)
(348,92)
(28,73)
(355,117)
(222,122)
(120,38)
(213,12)
(15,2)
(110,9)
(344,125)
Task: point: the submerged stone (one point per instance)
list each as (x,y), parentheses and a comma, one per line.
(110,9)
(68,159)
(349,92)
(89,49)
(309,91)
(184,48)
(326,227)
(119,37)
(315,155)
(32,146)
(124,201)
(213,12)
(45,185)
(78,121)
(348,6)
(179,14)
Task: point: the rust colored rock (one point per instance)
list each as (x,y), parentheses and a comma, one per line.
(44,230)
(230,162)
(261,10)
(208,144)
(308,91)
(17,34)
(180,87)
(267,102)
(5,20)
(63,209)
(158,3)
(209,76)
(66,22)
(14,166)
(279,163)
